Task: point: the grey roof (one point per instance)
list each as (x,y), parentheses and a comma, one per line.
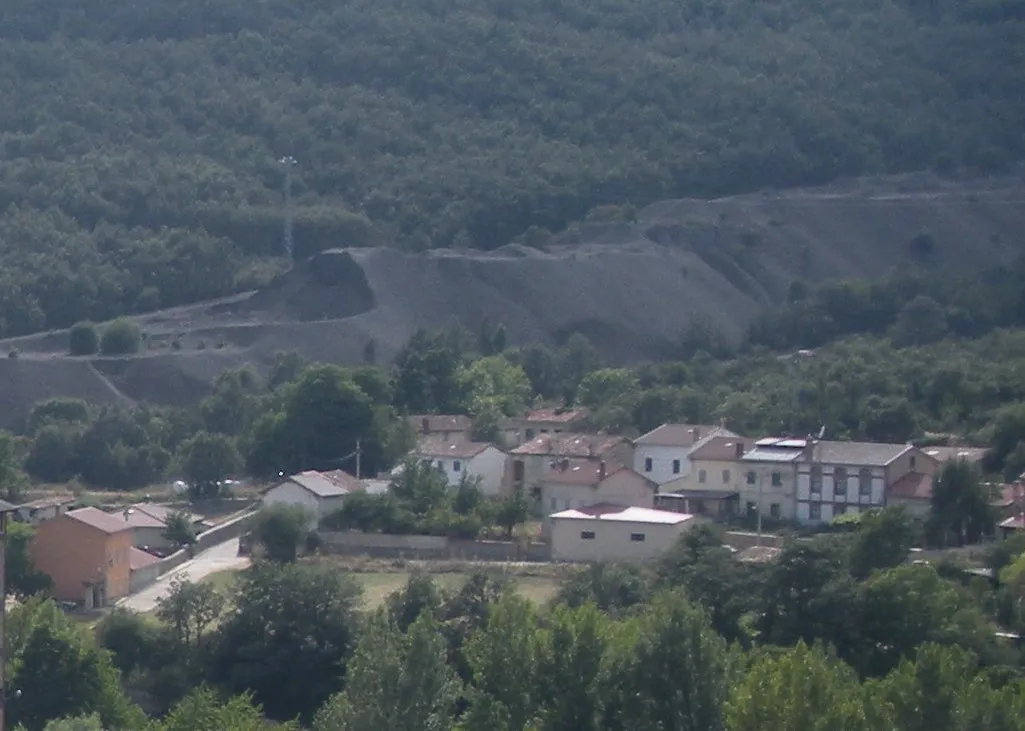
(771,454)
(859,454)
(681,435)
(6,507)
(319,484)
(432,447)
(947,454)
(96,518)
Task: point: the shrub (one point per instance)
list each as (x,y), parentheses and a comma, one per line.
(83,339)
(121,337)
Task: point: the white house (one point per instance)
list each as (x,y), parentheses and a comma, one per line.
(48,508)
(606,532)
(318,493)
(661,454)
(849,477)
(457,459)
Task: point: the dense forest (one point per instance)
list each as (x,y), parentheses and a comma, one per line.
(140,144)
(840,632)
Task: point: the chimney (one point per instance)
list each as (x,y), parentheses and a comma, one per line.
(738,449)
(695,434)
(601,470)
(425,425)
(564,464)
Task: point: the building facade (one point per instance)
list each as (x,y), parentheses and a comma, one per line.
(615,533)
(530,462)
(715,481)
(318,493)
(662,454)
(459,460)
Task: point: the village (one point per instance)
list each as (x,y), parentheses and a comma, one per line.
(590,497)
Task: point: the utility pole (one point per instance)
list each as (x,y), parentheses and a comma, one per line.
(761,483)
(5,510)
(289,163)
(359,455)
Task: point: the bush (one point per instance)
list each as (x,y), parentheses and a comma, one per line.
(83,339)
(121,337)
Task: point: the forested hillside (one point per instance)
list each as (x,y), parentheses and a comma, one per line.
(140,142)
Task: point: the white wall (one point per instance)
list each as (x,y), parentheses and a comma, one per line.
(853,500)
(661,462)
(289,493)
(611,540)
(489,465)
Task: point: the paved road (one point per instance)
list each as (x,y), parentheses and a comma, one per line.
(222,557)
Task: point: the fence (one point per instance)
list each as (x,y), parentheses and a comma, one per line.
(227,530)
(379,545)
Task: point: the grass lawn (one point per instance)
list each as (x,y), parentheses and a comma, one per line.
(378,585)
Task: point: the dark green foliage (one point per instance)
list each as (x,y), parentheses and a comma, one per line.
(280,530)
(121,337)
(22,579)
(83,339)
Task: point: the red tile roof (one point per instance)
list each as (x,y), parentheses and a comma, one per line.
(557,416)
(96,518)
(912,486)
(432,447)
(579,472)
(721,449)
(570,445)
(439,422)
(139,559)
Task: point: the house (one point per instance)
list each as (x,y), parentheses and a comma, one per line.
(445,427)
(577,483)
(147,530)
(942,455)
(318,493)
(87,554)
(456,459)
(841,477)
(715,481)
(518,430)
(607,532)
(913,491)
(769,471)
(144,567)
(47,508)
(661,454)
(532,460)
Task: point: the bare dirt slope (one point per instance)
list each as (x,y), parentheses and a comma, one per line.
(632,288)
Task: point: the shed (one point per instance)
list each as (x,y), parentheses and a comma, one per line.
(607,532)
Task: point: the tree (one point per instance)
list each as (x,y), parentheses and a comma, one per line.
(960,509)
(121,337)
(12,478)
(883,540)
(189,609)
(571,669)
(801,689)
(285,617)
(60,674)
(83,339)
(493,384)
(920,322)
(420,595)
(280,529)
(22,577)
(91,722)
(200,710)
(179,529)
(395,681)
(511,511)
(614,588)
(610,394)
(667,670)
(503,660)
(207,459)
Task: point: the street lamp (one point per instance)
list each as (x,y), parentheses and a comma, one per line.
(5,511)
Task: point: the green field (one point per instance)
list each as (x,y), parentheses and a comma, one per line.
(379,585)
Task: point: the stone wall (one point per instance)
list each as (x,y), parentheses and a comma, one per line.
(378,545)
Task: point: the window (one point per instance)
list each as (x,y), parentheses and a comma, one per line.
(637,537)
(774,510)
(702,476)
(751,477)
(587,535)
(751,508)
(647,464)
(518,470)
(840,475)
(865,482)
(676,466)
(839,509)
(529,434)
(457,465)
(912,462)
(815,511)
(840,486)
(816,479)
(555,504)
(777,479)
(725,477)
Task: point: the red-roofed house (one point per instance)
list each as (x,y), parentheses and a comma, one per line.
(458,458)
(571,484)
(517,430)
(87,554)
(531,461)
(445,427)
(318,493)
